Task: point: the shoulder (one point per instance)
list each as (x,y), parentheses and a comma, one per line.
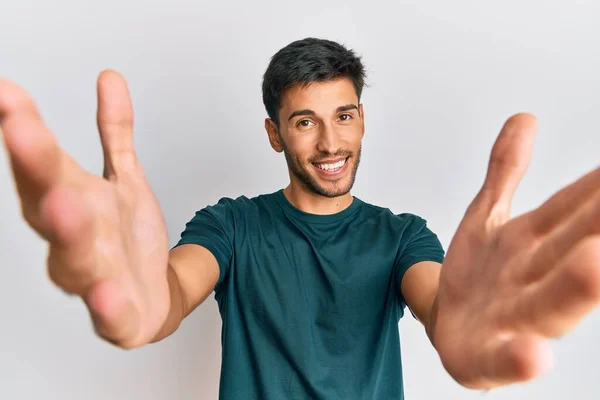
(399,220)
(406,227)
(237,205)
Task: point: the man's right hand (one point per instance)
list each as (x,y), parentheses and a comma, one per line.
(107,238)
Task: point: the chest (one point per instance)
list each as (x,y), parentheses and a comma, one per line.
(336,275)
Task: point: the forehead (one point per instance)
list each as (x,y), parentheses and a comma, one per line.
(319,96)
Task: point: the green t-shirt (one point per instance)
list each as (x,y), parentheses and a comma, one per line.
(310,303)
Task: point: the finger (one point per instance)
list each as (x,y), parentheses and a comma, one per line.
(76,268)
(584,221)
(114,314)
(115,123)
(509,160)
(36,159)
(70,231)
(557,303)
(511,359)
(563,203)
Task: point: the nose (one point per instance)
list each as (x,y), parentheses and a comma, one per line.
(329,140)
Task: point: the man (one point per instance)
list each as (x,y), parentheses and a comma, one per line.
(310,280)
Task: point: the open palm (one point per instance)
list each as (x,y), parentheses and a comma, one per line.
(107,238)
(507,285)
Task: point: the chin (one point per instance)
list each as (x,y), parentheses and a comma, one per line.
(332,189)
(325,185)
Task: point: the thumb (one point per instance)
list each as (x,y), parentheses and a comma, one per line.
(509,160)
(115,123)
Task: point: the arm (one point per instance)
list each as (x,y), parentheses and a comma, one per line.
(192,274)
(197,262)
(419,288)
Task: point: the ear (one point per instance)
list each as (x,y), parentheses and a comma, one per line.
(361,112)
(273,133)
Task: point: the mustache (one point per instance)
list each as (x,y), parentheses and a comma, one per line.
(326,156)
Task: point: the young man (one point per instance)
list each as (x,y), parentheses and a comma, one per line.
(309,276)
(311,281)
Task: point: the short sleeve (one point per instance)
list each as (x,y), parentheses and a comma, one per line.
(213,228)
(421,244)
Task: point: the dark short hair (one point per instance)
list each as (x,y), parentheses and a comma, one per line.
(306,61)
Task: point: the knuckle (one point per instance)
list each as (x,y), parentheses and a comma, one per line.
(31,219)
(71,282)
(594,221)
(60,280)
(592,286)
(585,280)
(125,162)
(30,215)
(525,365)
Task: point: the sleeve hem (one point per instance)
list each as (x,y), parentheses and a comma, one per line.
(210,247)
(416,260)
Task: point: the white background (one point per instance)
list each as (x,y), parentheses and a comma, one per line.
(443,75)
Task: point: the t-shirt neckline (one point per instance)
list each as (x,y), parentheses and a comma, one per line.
(316,218)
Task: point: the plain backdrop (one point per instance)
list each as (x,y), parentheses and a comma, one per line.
(443,78)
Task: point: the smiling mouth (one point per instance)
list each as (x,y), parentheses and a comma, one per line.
(331,166)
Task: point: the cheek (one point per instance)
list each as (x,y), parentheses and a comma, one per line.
(295,156)
(350,136)
(300,149)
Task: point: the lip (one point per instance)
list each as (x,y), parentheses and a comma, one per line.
(331,174)
(333,161)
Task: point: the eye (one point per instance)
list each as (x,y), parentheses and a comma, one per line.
(305,123)
(346,117)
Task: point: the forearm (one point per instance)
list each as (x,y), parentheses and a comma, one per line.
(177,309)
(431,321)
(192,274)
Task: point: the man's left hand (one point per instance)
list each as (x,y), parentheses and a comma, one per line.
(509,285)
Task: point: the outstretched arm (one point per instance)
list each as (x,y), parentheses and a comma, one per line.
(419,288)
(192,274)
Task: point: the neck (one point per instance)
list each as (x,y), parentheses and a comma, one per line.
(313,203)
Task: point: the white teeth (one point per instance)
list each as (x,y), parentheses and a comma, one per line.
(332,167)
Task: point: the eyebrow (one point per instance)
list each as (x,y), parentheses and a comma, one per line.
(347,107)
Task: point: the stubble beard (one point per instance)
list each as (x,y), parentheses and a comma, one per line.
(301,172)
